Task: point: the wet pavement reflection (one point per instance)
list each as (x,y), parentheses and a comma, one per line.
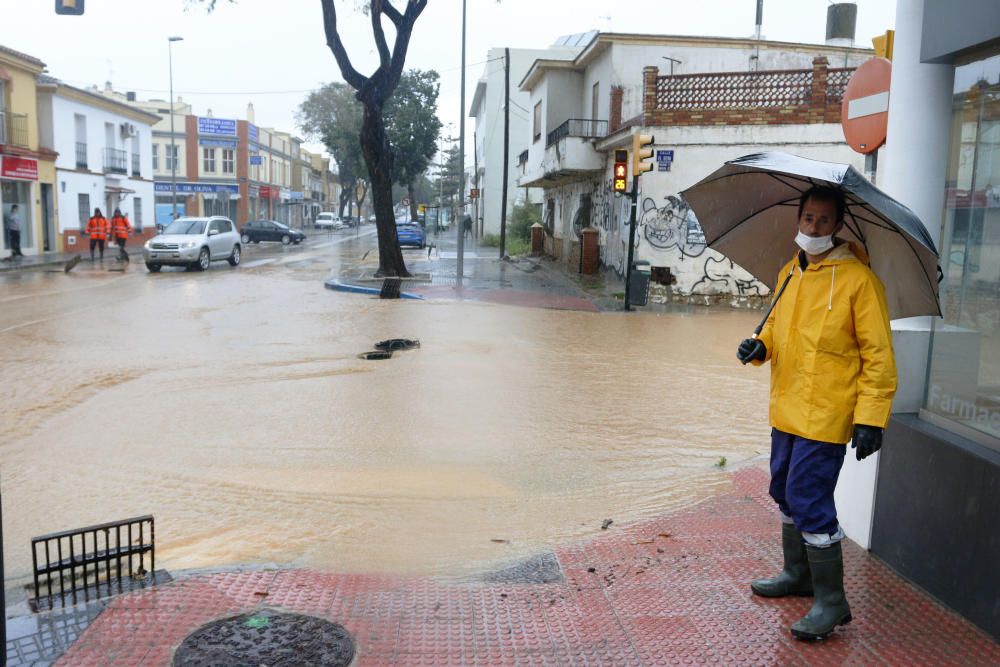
(232,406)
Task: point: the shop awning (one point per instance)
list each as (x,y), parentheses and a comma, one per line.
(115,190)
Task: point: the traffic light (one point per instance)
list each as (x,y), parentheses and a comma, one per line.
(69,7)
(621,171)
(640,154)
(883,44)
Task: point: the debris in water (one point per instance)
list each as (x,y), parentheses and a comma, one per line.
(394,344)
(375,355)
(499,541)
(607,522)
(721,463)
(71,264)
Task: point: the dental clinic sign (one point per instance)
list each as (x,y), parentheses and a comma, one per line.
(217,126)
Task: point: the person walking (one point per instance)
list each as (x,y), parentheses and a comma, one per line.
(97,229)
(120,229)
(833,377)
(12,221)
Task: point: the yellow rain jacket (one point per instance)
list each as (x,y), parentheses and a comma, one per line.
(830,348)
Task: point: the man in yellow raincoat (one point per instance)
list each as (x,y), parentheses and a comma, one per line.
(833,376)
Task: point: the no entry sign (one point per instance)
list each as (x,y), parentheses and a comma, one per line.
(864,114)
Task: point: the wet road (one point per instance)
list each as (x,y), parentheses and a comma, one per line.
(231,405)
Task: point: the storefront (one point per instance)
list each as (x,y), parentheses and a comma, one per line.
(937,495)
(20,185)
(196,199)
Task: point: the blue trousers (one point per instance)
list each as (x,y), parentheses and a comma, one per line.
(804,474)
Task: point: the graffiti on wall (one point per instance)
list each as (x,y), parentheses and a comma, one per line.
(721,276)
(672,226)
(610,216)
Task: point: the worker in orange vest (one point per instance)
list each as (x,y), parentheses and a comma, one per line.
(97,229)
(120,229)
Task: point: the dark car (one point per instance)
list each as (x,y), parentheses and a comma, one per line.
(256,231)
(410,233)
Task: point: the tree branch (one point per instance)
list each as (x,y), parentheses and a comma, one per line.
(403,31)
(380,43)
(351,75)
(392,13)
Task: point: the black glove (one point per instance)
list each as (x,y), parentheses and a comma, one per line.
(751,349)
(866,439)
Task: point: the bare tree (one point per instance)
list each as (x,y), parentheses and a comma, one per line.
(372,92)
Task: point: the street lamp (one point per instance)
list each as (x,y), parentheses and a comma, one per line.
(460,269)
(173,145)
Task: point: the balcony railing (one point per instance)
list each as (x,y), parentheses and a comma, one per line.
(81,155)
(115,161)
(522,158)
(14,129)
(135,165)
(586,128)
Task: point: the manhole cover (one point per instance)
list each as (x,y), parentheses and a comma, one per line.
(267,638)
(397,344)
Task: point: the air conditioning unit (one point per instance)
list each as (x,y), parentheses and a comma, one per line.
(128,130)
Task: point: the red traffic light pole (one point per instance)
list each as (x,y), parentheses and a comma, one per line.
(639,155)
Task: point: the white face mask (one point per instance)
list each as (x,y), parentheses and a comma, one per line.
(814,245)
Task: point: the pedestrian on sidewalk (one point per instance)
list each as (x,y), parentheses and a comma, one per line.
(97,229)
(120,228)
(467,225)
(833,377)
(12,221)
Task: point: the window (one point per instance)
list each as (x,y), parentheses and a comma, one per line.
(171,161)
(137,212)
(537,126)
(964,371)
(208,155)
(228,161)
(156,157)
(83,208)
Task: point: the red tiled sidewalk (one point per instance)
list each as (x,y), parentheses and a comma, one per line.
(507,297)
(670,591)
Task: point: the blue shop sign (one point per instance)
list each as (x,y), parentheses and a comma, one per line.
(217,126)
(298,196)
(217,143)
(253,132)
(256,160)
(197,188)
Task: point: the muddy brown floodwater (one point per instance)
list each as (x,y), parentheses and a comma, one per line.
(231,405)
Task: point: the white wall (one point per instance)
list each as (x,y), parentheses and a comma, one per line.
(64,136)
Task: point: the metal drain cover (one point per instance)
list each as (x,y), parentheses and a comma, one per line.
(269,638)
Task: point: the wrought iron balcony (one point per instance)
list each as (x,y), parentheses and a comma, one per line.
(585,128)
(81,155)
(115,161)
(14,129)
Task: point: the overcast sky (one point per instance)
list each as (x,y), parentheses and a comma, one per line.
(273,52)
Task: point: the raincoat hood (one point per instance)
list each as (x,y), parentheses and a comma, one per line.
(830,348)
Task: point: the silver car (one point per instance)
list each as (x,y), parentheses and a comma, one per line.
(195,242)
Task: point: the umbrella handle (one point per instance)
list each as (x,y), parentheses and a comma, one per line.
(760,327)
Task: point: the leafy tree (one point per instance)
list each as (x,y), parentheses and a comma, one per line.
(413,128)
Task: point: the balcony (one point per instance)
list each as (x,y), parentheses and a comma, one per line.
(14,129)
(586,128)
(81,155)
(569,154)
(115,161)
(135,165)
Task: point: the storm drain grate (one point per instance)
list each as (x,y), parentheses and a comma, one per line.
(269,638)
(543,568)
(376,355)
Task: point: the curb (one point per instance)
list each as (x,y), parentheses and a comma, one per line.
(337,286)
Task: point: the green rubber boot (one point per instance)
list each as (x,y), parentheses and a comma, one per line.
(830,607)
(794,578)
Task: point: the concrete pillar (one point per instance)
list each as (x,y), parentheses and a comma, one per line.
(912,168)
(915,158)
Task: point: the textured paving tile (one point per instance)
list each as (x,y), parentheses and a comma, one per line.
(669,591)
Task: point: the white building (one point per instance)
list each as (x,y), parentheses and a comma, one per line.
(725,98)
(105,157)
(488,109)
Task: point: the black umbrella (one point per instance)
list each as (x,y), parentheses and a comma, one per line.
(748,210)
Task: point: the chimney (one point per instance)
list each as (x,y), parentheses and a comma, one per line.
(250,114)
(841,21)
(208,113)
(107,88)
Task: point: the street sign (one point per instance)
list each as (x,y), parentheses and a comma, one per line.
(864,113)
(422,208)
(665,156)
(663,166)
(69,7)
(474,193)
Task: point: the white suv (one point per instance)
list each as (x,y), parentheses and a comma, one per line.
(328,221)
(195,242)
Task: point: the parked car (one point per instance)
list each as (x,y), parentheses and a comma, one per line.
(371,218)
(256,231)
(328,221)
(195,242)
(410,233)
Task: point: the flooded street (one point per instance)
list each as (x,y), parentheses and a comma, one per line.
(232,406)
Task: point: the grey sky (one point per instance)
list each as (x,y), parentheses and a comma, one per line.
(272,53)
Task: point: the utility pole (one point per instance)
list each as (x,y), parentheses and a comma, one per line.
(506,150)
(173,146)
(459,228)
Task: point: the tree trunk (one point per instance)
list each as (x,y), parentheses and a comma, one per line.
(345,197)
(378,158)
(411,194)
